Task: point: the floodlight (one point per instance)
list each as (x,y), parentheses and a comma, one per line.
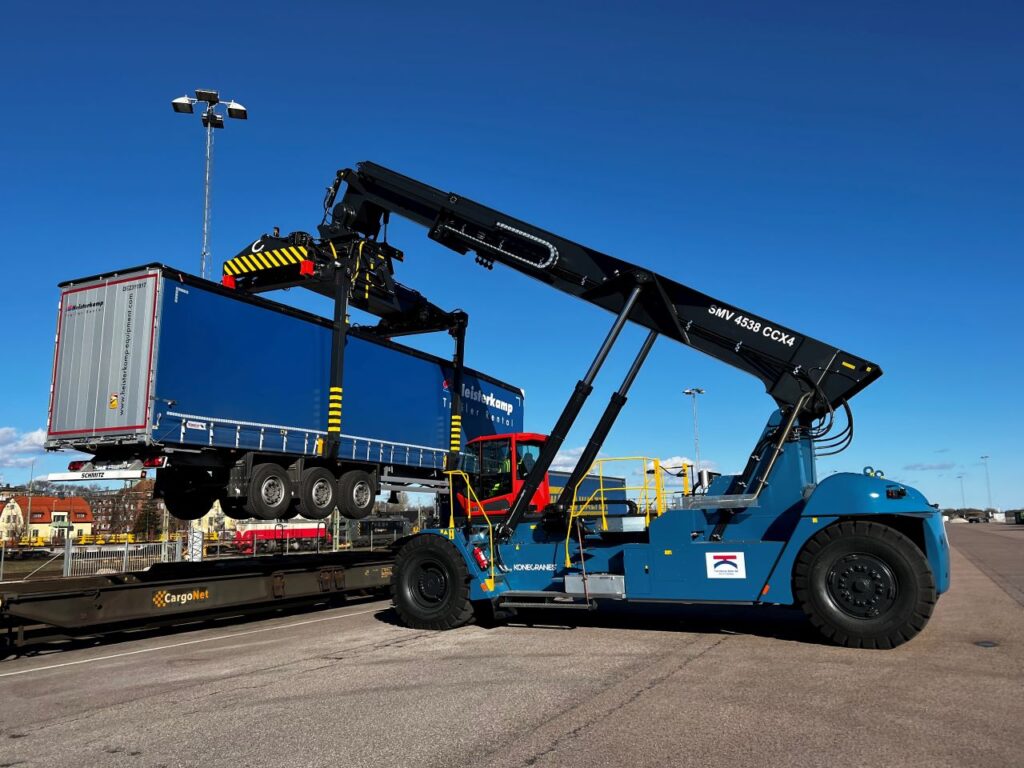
(237,111)
(182,104)
(210,97)
(212,119)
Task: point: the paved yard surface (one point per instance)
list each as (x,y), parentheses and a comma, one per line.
(347,687)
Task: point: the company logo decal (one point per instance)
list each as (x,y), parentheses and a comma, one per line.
(164,598)
(725,565)
(490,400)
(86,305)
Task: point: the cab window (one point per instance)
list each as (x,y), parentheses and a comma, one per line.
(526,456)
(495,468)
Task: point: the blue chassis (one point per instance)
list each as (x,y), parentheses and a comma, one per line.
(670,562)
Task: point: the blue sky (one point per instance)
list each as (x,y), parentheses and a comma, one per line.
(851,172)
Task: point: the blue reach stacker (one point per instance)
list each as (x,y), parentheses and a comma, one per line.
(864,557)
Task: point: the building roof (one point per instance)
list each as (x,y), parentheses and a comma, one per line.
(43,508)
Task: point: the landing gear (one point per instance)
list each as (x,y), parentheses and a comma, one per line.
(864,585)
(430,585)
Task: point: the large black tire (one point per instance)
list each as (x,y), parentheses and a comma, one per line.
(188,493)
(234,509)
(356,493)
(864,585)
(188,504)
(430,584)
(269,493)
(317,493)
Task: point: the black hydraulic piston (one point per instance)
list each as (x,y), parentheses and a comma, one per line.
(604,426)
(572,409)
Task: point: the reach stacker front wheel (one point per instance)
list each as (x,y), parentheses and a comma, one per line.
(864,585)
(430,584)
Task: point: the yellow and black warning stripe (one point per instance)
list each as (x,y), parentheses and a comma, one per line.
(334,410)
(254,262)
(456,436)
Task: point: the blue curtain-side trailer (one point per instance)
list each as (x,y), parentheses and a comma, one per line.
(155,368)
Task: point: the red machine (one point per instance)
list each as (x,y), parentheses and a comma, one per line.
(502,463)
(257,538)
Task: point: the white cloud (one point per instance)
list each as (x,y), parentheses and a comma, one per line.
(18,449)
(565,459)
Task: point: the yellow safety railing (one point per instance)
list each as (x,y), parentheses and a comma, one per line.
(472,500)
(649,494)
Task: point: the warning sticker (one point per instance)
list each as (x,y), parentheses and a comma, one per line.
(725,565)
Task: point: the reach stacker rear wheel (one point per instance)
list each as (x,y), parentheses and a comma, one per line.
(430,584)
(864,585)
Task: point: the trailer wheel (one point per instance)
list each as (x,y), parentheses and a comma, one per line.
(233,508)
(430,584)
(188,504)
(355,494)
(864,585)
(270,492)
(318,493)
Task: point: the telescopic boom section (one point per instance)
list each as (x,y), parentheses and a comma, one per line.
(789,363)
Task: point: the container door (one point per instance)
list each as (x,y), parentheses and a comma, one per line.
(103,359)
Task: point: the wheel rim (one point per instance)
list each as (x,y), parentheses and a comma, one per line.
(862,586)
(272,491)
(361,494)
(322,493)
(430,584)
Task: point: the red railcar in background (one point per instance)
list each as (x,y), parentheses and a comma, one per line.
(261,537)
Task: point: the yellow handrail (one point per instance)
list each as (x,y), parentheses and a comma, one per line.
(471,498)
(651,494)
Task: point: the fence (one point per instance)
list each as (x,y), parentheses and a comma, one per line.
(89,560)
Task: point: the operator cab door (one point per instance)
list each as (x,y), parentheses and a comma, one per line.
(503,463)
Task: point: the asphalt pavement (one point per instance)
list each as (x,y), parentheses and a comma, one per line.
(348,687)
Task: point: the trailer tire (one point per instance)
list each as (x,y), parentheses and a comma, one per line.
(864,585)
(430,584)
(270,492)
(189,504)
(318,493)
(234,509)
(356,493)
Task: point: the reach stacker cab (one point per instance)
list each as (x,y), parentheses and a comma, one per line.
(864,556)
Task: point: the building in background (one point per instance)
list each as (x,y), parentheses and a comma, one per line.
(51,518)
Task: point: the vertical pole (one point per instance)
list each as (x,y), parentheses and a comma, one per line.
(963,496)
(339,335)
(3,552)
(69,551)
(455,443)
(696,436)
(988,482)
(124,563)
(336,528)
(206,196)
(31,477)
